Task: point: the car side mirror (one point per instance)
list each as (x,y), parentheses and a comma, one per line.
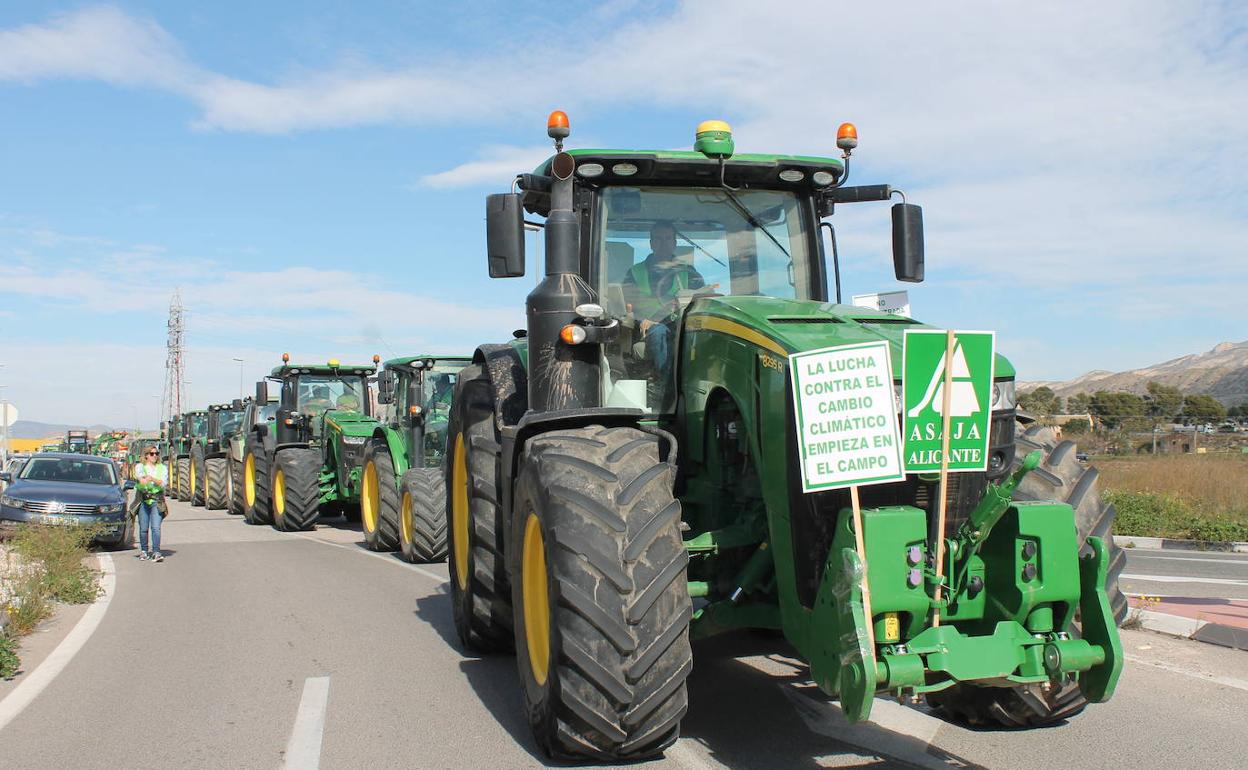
(6,477)
(908,242)
(129,484)
(262,392)
(504,235)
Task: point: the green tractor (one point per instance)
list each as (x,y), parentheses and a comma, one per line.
(77,441)
(210,475)
(252,416)
(624,476)
(306,463)
(403,500)
(189,429)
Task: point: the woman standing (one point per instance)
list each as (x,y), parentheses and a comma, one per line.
(151,477)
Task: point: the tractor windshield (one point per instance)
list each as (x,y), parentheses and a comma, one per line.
(662,246)
(227,423)
(199,425)
(439,385)
(319,392)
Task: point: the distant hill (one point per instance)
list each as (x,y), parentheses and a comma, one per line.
(32,429)
(1221,372)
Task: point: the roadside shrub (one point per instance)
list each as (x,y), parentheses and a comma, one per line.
(60,551)
(9,662)
(29,603)
(1157,514)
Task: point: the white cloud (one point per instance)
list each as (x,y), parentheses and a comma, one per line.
(496,166)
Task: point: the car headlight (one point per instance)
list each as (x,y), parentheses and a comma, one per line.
(354,439)
(1003,396)
(114,508)
(12,502)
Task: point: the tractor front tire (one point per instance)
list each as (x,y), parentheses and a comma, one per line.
(379,498)
(296,489)
(1063,478)
(234,497)
(422,516)
(199,476)
(184,478)
(216,483)
(257,504)
(601,595)
(480,593)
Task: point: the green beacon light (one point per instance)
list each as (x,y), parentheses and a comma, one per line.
(714,139)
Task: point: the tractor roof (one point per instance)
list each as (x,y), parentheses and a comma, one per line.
(673,165)
(404,361)
(340,369)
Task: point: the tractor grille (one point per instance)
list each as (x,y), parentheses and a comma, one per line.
(48,506)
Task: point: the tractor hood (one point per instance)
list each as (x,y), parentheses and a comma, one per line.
(350,423)
(794,326)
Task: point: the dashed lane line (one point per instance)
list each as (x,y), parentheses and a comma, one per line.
(303,750)
(37,680)
(1183,579)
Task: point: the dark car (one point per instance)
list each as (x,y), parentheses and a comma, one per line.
(63,488)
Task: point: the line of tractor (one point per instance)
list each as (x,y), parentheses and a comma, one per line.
(623,476)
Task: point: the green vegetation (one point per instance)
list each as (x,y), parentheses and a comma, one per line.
(1190,497)
(9,662)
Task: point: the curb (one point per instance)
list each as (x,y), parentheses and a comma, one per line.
(1171,544)
(1191,628)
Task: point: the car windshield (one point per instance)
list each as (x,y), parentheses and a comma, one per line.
(320,392)
(65,469)
(662,246)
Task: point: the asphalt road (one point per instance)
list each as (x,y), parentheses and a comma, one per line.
(248,648)
(1203,574)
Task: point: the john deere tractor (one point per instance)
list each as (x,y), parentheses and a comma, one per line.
(307,462)
(189,429)
(624,476)
(403,500)
(236,442)
(77,441)
(209,462)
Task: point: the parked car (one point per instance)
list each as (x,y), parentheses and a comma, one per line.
(70,489)
(13,466)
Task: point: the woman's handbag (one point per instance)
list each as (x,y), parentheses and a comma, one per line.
(162,506)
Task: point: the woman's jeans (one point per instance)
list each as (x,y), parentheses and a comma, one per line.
(149,518)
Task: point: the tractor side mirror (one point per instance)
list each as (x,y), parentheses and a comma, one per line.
(236,403)
(385,388)
(128,484)
(504,235)
(908,242)
(262,392)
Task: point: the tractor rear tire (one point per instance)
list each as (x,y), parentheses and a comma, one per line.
(379,498)
(296,489)
(1063,478)
(422,516)
(480,592)
(257,503)
(234,497)
(199,476)
(216,483)
(184,478)
(601,594)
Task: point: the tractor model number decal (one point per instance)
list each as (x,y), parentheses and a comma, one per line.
(770,363)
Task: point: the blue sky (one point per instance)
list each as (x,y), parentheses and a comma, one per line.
(311,174)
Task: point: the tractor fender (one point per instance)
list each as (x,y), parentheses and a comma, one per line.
(396,445)
(509,379)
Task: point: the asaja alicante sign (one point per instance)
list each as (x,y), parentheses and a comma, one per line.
(969,371)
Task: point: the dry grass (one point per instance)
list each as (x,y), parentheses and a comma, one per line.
(1198,497)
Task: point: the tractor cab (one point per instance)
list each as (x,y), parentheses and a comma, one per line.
(308,392)
(415,396)
(223,421)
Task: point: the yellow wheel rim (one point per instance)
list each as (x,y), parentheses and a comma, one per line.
(368,497)
(406,525)
(536,599)
(249,480)
(279,493)
(459,511)
(193,474)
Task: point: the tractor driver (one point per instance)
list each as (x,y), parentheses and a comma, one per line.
(650,290)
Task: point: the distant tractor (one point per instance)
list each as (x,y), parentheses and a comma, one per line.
(77,441)
(403,499)
(265,414)
(189,429)
(624,476)
(306,464)
(209,460)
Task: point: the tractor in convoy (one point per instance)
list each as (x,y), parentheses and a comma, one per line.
(186,431)
(403,498)
(77,441)
(252,416)
(624,475)
(306,463)
(209,462)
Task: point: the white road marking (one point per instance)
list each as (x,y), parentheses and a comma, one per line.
(42,676)
(1239,684)
(387,558)
(303,750)
(1240,562)
(1183,579)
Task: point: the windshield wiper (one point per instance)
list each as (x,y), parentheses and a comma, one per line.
(752,220)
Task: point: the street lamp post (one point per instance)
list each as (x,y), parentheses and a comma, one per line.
(242,390)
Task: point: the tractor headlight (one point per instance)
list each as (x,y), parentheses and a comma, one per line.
(354,440)
(114,508)
(1003,396)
